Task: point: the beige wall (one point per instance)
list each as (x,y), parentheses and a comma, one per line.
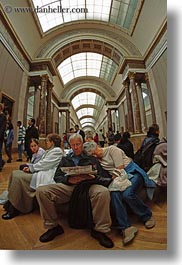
(158,83)
(152,16)
(11,80)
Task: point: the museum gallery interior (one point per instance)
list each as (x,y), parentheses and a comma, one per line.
(96,64)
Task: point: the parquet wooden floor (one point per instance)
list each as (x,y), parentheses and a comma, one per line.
(23,232)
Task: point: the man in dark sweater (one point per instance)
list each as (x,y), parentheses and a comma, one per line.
(50,195)
(31,132)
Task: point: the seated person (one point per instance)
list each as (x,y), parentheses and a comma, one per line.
(126,145)
(22,186)
(37,153)
(158,172)
(144,155)
(49,196)
(112,158)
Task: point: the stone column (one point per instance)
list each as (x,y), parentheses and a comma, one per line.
(49,109)
(26,102)
(109,118)
(36,103)
(67,120)
(142,107)
(150,98)
(130,123)
(42,109)
(136,108)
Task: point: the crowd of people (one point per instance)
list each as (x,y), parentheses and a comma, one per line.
(98,199)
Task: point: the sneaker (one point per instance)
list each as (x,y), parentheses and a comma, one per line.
(102,238)
(129,234)
(19,160)
(150,223)
(51,234)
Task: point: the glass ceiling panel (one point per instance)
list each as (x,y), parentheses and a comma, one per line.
(87,64)
(85,98)
(84,112)
(52,13)
(89,120)
(87,124)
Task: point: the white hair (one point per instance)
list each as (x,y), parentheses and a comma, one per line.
(76,136)
(89,147)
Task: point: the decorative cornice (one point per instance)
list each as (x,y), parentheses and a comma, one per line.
(118,41)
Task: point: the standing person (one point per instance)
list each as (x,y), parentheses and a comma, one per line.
(81,132)
(113,159)
(22,184)
(31,132)
(89,136)
(65,140)
(8,140)
(110,136)
(21,140)
(101,137)
(51,195)
(96,138)
(2,130)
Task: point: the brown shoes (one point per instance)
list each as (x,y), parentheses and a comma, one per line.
(129,234)
(150,223)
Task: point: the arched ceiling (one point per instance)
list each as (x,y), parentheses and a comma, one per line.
(88,52)
(86,48)
(87,106)
(52,13)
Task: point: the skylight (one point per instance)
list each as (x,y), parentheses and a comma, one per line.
(87,98)
(87,64)
(52,13)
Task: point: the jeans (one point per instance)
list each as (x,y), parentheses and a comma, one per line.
(130,197)
(21,148)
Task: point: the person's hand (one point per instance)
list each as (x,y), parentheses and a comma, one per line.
(26,169)
(76,179)
(113,176)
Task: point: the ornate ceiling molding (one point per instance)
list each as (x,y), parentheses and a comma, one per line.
(116,39)
(90,84)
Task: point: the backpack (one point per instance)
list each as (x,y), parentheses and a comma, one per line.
(144,156)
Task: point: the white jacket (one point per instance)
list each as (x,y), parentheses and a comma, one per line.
(44,170)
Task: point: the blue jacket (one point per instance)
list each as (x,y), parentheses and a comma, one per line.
(150,185)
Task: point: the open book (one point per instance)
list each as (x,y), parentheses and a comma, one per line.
(79,170)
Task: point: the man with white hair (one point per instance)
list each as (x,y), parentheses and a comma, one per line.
(60,193)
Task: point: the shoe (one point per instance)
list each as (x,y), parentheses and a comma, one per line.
(150,223)
(51,234)
(8,215)
(102,238)
(3,163)
(9,161)
(129,234)
(19,160)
